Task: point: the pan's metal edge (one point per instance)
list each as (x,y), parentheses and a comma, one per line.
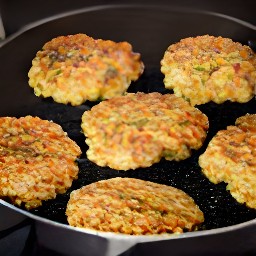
(137,239)
(123,6)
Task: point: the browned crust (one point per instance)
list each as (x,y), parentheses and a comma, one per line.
(137,130)
(37,160)
(231,157)
(207,68)
(132,206)
(76,68)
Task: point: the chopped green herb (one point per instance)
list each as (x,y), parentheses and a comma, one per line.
(199,68)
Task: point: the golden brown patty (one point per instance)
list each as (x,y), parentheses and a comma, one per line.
(247,123)
(36,160)
(132,206)
(231,157)
(207,68)
(136,130)
(76,68)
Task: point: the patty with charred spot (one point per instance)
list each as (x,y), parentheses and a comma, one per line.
(138,129)
(37,160)
(134,207)
(207,68)
(231,157)
(76,68)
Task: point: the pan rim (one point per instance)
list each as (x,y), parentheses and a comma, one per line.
(122,6)
(137,238)
(108,234)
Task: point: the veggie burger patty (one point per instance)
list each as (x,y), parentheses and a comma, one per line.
(207,68)
(231,157)
(136,130)
(37,160)
(132,206)
(76,68)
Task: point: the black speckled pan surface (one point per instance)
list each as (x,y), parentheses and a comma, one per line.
(150,30)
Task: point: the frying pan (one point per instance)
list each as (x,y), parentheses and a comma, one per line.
(229,227)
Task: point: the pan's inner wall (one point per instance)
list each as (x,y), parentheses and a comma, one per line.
(157,28)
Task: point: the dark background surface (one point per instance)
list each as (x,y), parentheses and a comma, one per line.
(15,13)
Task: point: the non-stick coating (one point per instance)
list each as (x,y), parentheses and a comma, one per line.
(150,30)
